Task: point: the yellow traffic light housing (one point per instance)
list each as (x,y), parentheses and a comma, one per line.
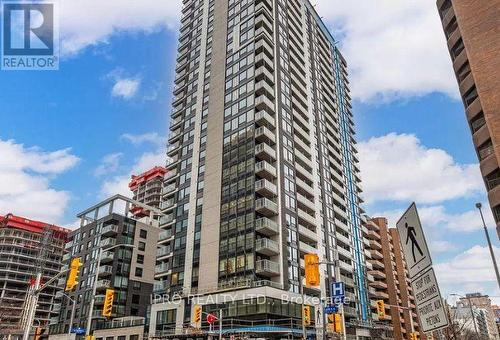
(38,333)
(335,322)
(108,303)
(196,318)
(414,336)
(311,262)
(381,309)
(306,315)
(74,271)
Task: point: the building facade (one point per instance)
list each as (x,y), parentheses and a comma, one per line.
(26,247)
(484,313)
(471,29)
(121,251)
(263,165)
(391,281)
(146,188)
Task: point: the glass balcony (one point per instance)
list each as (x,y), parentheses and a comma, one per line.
(264,187)
(266,227)
(266,170)
(105,270)
(107,256)
(267,247)
(266,207)
(265,152)
(267,268)
(103,284)
(108,242)
(109,230)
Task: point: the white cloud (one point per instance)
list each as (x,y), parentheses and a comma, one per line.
(146,161)
(442,246)
(125,88)
(393,48)
(438,218)
(151,137)
(109,164)
(25,175)
(468,272)
(87,23)
(417,173)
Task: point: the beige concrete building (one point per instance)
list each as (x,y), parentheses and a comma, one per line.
(472,30)
(263,167)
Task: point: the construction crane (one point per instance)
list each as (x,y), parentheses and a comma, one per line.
(35,283)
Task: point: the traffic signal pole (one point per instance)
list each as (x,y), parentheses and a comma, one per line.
(32,301)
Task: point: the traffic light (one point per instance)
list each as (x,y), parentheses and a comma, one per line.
(38,333)
(335,322)
(381,309)
(196,319)
(90,337)
(311,262)
(413,336)
(306,315)
(108,303)
(74,271)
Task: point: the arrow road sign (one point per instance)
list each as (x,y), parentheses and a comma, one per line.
(413,242)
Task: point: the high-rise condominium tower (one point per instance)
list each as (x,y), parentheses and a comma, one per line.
(264,167)
(472,32)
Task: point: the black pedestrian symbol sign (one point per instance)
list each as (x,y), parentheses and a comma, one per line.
(411,236)
(413,242)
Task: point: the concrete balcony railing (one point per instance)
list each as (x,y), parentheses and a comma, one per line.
(266,226)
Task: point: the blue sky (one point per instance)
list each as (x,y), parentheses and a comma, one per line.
(71,137)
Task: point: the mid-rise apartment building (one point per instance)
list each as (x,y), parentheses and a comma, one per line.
(391,281)
(146,188)
(27,247)
(263,167)
(120,250)
(484,313)
(471,28)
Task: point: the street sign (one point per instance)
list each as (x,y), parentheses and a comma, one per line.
(428,300)
(338,290)
(331,309)
(211,318)
(78,330)
(417,255)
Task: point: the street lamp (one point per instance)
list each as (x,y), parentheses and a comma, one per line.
(471,311)
(94,288)
(72,317)
(478,206)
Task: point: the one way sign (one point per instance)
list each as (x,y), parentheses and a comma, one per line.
(413,242)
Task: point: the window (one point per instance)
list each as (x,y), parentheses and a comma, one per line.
(122,337)
(140,259)
(143,234)
(138,272)
(142,246)
(136,299)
